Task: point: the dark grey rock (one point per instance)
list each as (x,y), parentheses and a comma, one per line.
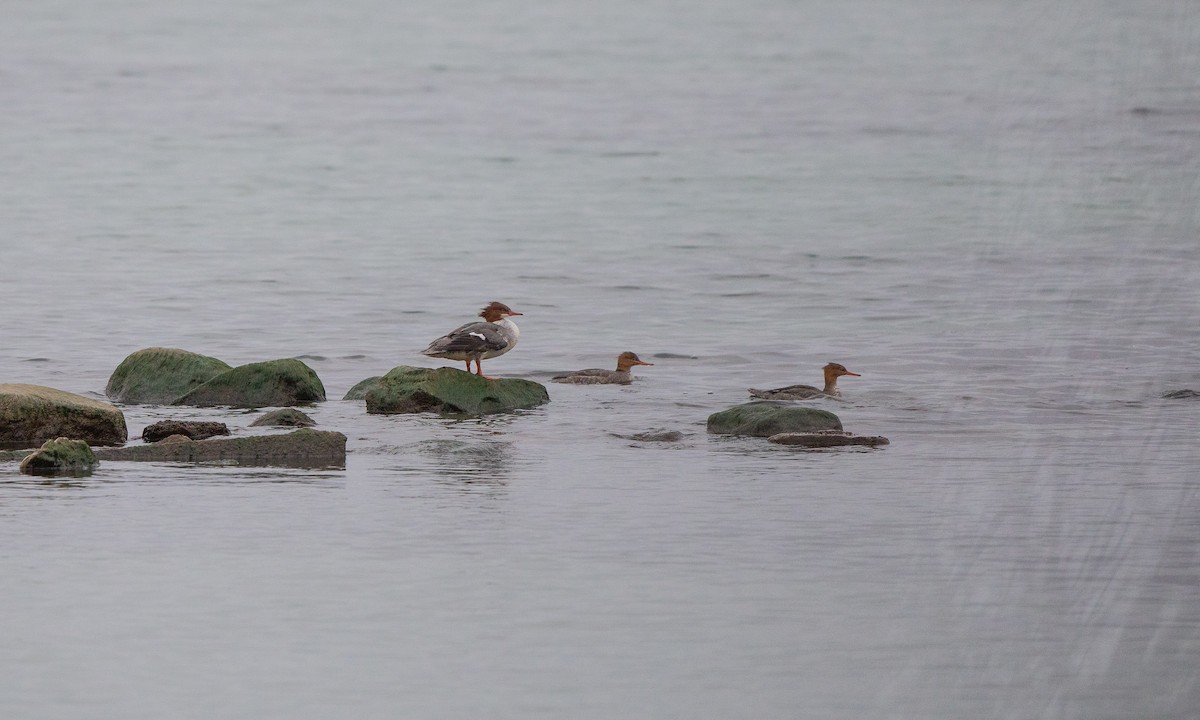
(301,448)
(827,438)
(191,429)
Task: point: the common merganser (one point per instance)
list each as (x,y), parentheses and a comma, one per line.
(491,338)
(833,371)
(596,376)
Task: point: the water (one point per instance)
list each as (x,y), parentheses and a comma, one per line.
(989,212)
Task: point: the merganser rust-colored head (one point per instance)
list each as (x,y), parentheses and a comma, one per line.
(837,370)
(833,371)
(627,360)
(496,311)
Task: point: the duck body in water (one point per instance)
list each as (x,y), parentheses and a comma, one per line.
(807,392)
(595,376)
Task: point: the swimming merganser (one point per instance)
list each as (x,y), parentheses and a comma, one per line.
(805,392)
(596,376)
(491,338)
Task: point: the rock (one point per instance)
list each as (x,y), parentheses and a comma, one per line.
(827,438)
(284,417)
(190,429)
(300,448)
(658,435)
(359,391)
(770,417)
(60,456)
(158,376)
(1181,395)
(447,390)
(34,414)
(274,383)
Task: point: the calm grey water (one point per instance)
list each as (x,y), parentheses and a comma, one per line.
(988,210)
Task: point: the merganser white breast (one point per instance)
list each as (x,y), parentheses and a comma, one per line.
(807,392)
(491,338)
(595,376)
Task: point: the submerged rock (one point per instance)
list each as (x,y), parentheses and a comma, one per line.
(767,418)
(359,391)
(827,438)
(190,429)
(60,456)
(158,376)
(301,448)
(407,389)
(34,414)
(1181,395)
(274,383)
(658,435)
(284,417)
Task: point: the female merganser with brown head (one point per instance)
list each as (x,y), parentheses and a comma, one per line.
(491,338)
(833,371)
(596,376)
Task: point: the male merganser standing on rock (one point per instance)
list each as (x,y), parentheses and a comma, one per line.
(596,376)
(833,371)
(491,338)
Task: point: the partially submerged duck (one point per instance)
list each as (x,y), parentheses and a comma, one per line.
(833,371)
(491,338)
(595,376)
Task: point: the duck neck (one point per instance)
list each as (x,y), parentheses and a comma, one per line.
(510,327)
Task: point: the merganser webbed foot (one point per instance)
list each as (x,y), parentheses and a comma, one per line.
(595,376)
(475,341)
(807,392)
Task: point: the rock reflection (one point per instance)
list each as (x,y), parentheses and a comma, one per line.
(469,463)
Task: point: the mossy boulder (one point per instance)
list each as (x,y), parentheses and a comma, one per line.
(60,456)
(359,391)
(191,429)
(34,414)
(158,376)
(301,448)
(407,389)
(284,417)
(767,418)
(274,383)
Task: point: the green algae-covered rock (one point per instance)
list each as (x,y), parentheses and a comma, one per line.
(300,448)
(284,417)
(764,419)
(274,383)
(60,456)
(359,391)
(408,389)
(158,376)
(34,414)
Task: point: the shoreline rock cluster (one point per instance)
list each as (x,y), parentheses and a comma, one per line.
(63,422)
